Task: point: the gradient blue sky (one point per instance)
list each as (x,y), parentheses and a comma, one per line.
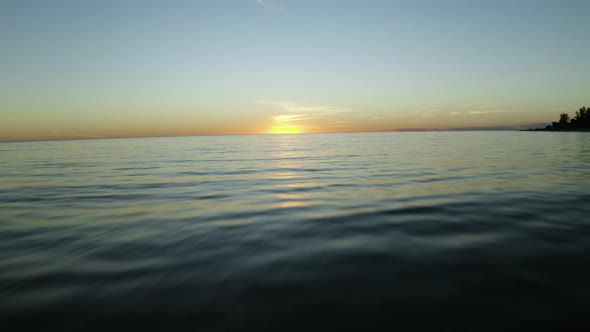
(136,68)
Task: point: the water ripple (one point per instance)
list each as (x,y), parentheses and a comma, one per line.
(419,231)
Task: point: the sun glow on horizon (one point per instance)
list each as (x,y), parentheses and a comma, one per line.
(285,128)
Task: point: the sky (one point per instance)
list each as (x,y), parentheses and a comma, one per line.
(82,69)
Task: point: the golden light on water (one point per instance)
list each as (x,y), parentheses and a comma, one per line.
(285,129)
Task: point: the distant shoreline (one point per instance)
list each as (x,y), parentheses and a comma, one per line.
(558,130)
(579,123)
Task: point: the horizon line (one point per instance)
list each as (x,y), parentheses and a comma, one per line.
(401,130)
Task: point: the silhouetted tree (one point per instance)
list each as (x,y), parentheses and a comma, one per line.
(580,122)
(564,121)
(582,119)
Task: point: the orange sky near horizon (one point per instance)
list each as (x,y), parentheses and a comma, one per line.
(74,69)
(281,123)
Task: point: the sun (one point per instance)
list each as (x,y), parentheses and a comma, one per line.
(285,129)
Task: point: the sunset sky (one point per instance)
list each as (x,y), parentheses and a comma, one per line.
(121,68)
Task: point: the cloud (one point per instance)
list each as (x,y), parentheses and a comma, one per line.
(286,118)
(292,107)
(460,109)
(428,112)
(488,112)
(293,112)
(400,116)
(269,5)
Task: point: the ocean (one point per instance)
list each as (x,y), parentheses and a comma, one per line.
(445,231)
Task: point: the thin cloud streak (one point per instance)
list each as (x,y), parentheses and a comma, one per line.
(286,118)
(460,109)
(294,112)
(291,107)
(489,112)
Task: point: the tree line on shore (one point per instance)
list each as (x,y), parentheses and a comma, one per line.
(581,121)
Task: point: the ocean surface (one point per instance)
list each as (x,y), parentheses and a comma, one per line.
(436,231)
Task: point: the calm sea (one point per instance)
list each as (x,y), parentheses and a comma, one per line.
(445,231)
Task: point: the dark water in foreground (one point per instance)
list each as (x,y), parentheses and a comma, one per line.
(448,231)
